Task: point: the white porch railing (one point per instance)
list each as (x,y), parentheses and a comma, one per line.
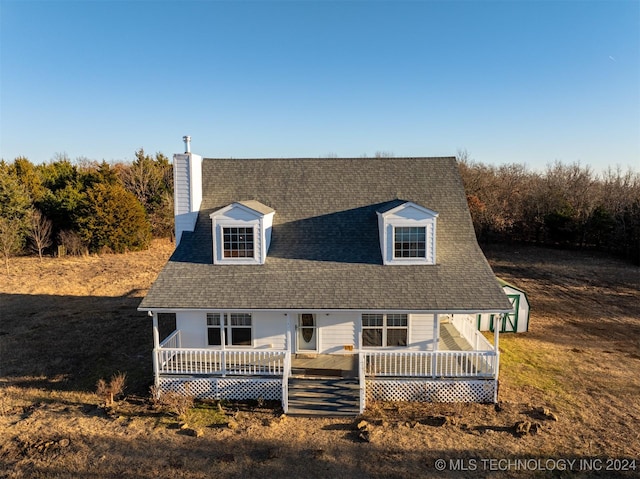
(174,340)
(433,364)
(221,362)
(465,324)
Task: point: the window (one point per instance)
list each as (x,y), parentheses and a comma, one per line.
(384,330)
(237,329)
(372,328)
(410,242)
(238,242)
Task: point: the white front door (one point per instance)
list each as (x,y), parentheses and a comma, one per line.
(306,332)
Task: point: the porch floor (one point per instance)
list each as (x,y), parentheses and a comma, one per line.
(340,365)
(451,339)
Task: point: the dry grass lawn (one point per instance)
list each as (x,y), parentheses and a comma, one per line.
(65,323)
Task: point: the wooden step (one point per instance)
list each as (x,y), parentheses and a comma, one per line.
(323,397)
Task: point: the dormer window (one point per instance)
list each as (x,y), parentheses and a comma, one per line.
(241,233)
(238,242)
(410,242)
(407,234)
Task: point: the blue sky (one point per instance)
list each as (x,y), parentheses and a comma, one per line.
(508,81)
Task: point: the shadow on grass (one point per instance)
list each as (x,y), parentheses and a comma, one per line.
(235,457)
(69,342)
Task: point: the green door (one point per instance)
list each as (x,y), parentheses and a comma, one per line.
(509,323)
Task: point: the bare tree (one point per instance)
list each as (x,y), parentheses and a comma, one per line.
(40,232)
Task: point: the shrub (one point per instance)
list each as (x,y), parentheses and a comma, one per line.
(113,219)
(112,389)
(172,402)
(71,243)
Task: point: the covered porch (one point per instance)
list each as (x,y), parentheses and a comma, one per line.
(463,359)
(461,351)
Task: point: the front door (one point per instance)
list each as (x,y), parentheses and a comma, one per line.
(306,333)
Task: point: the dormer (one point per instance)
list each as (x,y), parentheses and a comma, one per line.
(242,233)
(407,234)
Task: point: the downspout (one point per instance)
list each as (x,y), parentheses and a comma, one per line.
(156,349)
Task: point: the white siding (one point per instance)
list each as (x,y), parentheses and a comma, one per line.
(181,179)
(187,178)
(421,327)
(193,328)
(337,330)
(269,330)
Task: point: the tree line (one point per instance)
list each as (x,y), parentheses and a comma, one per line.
(65,207)
(566,205)
(79,207)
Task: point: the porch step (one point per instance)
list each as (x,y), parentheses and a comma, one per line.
(324,397)
(316,372)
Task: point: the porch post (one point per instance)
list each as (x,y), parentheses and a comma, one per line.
(496,343)
(436,344)
(223,340)
(156,349)
(362,371)
(286,370)
(288,333)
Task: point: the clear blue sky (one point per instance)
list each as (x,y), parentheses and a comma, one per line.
(509,81)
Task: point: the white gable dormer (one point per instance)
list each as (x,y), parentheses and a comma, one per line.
(242,233)
(407,234)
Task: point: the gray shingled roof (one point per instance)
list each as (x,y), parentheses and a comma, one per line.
(325,251)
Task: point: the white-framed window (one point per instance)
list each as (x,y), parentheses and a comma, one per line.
(237,242)
(409,242)
(407,234)
(241,233)
(384,330)
(236,326)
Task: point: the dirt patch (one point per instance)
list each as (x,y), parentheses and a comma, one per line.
(569,388)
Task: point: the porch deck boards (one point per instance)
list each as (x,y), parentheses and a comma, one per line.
(344,365)
(451,339)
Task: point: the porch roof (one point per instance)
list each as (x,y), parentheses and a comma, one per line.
(325,251)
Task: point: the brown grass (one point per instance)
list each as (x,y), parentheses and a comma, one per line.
(66,323)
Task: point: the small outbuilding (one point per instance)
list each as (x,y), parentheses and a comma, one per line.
(517,321)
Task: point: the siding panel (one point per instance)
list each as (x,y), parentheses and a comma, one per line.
(421,332)
(337,331)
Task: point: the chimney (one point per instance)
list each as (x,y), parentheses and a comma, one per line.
(187,184)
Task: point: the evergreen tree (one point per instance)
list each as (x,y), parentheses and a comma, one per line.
(111,219)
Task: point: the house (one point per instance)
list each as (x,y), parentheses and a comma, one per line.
(324,284)
(517,320)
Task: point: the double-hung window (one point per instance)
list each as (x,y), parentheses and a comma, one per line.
(236,327)
(390,330)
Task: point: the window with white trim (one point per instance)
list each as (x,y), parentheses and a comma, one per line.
(237,242)
(236,326)
(390,330)
(409,242)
